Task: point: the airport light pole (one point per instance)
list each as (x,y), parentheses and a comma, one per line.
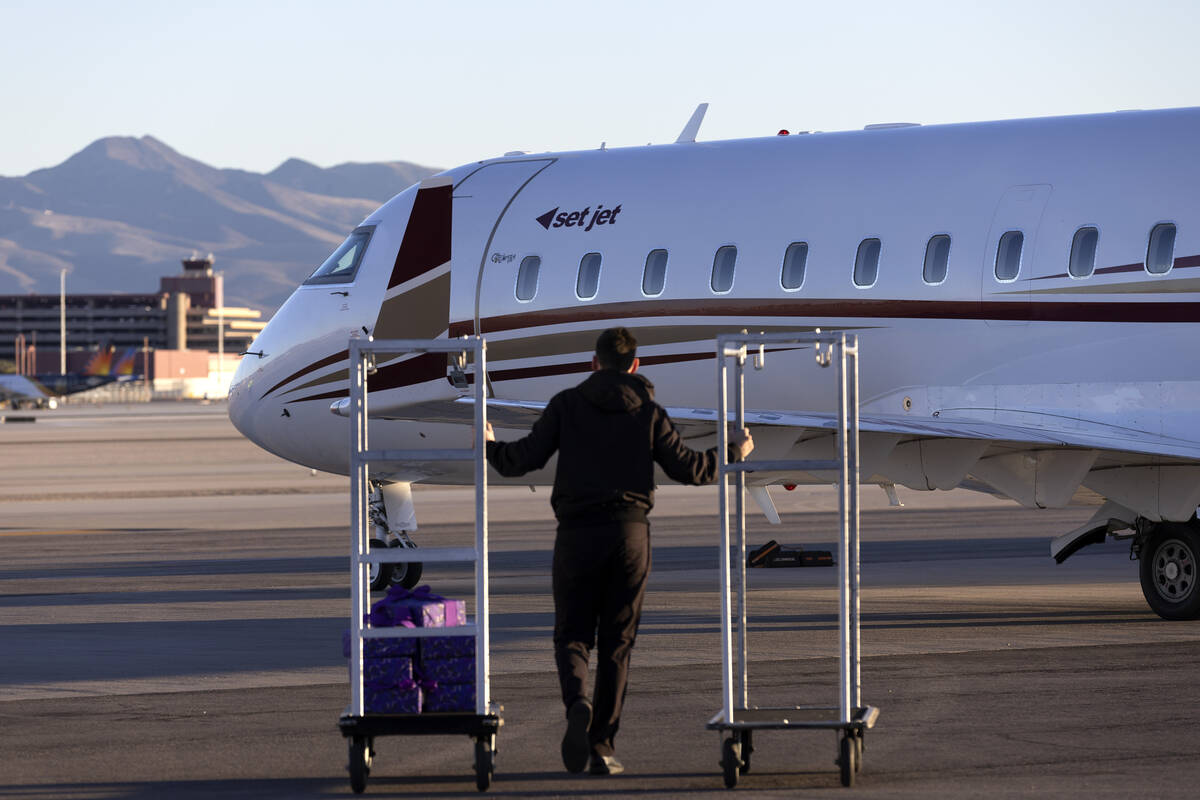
(221,327)
(62,322)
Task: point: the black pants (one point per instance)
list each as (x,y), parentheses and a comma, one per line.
(599,581)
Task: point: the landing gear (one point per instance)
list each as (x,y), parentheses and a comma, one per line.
(1170,568)
(381,574)
(408,573)
(392,514)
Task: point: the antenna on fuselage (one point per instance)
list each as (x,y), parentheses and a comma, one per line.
(693,125)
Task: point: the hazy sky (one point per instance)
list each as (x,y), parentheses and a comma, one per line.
(248,84)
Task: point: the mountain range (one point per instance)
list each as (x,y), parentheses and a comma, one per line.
(124,211)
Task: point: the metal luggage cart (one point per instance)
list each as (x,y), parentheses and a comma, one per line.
(359,726)
(737,717)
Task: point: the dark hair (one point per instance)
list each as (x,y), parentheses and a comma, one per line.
(615,349)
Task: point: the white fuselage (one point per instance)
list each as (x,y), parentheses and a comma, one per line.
(1111,350)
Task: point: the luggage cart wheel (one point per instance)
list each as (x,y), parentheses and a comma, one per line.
(485,763)
(848,758)
(360,762)
(747,749)
(731,760)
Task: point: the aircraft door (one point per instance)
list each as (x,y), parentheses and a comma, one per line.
(480,202)
(1008,257)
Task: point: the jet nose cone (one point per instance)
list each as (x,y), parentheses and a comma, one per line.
(241,406)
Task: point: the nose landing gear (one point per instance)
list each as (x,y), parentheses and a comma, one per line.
(406,574)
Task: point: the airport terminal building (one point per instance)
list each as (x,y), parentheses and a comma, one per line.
(183,323)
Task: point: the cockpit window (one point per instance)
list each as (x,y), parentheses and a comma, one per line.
(343,263)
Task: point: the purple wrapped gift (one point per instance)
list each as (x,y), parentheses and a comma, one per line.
(448,647)
(450,697)
(418,607)
(381,648)
(387,673)
(397,700)
(448,670)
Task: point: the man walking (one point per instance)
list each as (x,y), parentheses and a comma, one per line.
(609,433)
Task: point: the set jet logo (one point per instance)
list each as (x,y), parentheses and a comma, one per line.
(586,219)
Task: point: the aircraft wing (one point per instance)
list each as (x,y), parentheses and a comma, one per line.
(699,422)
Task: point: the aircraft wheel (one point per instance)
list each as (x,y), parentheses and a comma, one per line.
(381,574)
(1169,570)
(406,574)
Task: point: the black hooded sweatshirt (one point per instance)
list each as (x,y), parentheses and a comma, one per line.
(609,433)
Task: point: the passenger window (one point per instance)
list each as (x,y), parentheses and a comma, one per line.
(722,271)
(1160,255)
(589,276)
(1083,252)
(527,277)
(794,260)
(1008,255)
(937,258)
(866,263)
(343,262)
(654,277)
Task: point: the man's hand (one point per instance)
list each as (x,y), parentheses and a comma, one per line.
(488,434)
(743,441)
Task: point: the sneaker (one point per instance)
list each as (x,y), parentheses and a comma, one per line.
(605,765)
(575,744)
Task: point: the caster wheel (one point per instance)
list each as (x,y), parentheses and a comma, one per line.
(860,744)
(747,749)
(485,764)
(731,761)
(381,574)
(848,760)
(360,763)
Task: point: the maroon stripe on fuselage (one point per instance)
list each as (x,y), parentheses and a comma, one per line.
(418,374)
(324,362)
(1041,310)
(426,242)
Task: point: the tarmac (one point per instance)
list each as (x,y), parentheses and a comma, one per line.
(172,600)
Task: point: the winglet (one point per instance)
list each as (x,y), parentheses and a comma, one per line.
(688,134)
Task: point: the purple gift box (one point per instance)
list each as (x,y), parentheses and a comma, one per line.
(387,673)
(451,697)
(408,700)
(418,607)
(381,648)
(448,670)
(448,647)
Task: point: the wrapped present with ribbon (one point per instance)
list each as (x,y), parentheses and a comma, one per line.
(382,648)
(448,670)
(387,673)
(419,606)
(449,697)
(448,647)
(405,698)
